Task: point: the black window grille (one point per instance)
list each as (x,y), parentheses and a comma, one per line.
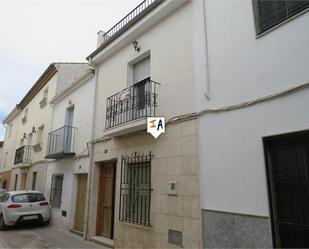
(56,190)
(269,13)
(135,189)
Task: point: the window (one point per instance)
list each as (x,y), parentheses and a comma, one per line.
(16,179)
(24,119)
(34,174)
(135,189)
(43,102)
(56,190)
(270,13)
(39,139)
(29,197)
(141,72)
(29,141)
(45,93)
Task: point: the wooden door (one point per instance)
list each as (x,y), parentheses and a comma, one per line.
(80,202)
(23,181)
(105,212)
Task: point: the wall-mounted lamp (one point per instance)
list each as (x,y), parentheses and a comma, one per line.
(25,136)
(135,45)
(33,130)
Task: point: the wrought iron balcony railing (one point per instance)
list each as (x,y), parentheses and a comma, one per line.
(129,20)
(133,103)
(61,143)
(23,154)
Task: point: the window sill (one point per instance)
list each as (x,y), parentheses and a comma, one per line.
(147,228)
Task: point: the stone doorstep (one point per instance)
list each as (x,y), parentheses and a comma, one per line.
(76,232)
(102,241)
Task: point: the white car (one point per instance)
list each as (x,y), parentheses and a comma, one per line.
(20,206)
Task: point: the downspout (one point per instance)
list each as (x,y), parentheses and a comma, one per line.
(90,168)
(47,164)
(207,93)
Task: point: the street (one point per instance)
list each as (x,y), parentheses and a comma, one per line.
(37,236)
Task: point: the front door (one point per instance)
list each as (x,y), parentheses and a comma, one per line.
(80,202)
(23,181)
(105,212)
(288,177)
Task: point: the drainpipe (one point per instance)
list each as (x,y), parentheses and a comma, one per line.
(90,170)
(47,163)
(207,93)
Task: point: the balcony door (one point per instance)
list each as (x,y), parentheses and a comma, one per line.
(141,72)
(68,131)
(29,141)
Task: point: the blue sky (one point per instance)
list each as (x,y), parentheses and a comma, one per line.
(34,33)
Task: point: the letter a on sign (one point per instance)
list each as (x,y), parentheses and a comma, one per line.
(156,126)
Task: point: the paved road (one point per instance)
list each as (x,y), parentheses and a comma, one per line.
(43,237)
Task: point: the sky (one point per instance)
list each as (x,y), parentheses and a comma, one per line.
(35,33)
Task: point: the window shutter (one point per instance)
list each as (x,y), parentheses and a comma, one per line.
(271,13)
(295,7)
(141,70)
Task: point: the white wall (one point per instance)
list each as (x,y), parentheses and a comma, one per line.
(171,63)
(233,173)
(83,100)
(1,155)
(243,67)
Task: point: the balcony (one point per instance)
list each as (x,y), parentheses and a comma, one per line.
(128,21)
(126,111)
(60,143)
(23,155)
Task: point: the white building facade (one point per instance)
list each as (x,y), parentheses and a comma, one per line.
(145,191)
(252,93)
(67,150)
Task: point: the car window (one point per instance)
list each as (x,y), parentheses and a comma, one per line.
(29,197)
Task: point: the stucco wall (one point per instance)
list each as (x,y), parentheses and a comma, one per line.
(83,100)
(36,117)
(233,168)
(243,67)
(169,44)
(10,145)
(69,168)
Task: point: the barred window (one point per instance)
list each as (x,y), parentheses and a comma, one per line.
(56,190)
(135,189)
(269,13)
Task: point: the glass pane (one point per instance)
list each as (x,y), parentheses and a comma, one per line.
(271,13)
(295,7)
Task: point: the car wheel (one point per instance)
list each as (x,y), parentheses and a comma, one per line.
(2,223)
